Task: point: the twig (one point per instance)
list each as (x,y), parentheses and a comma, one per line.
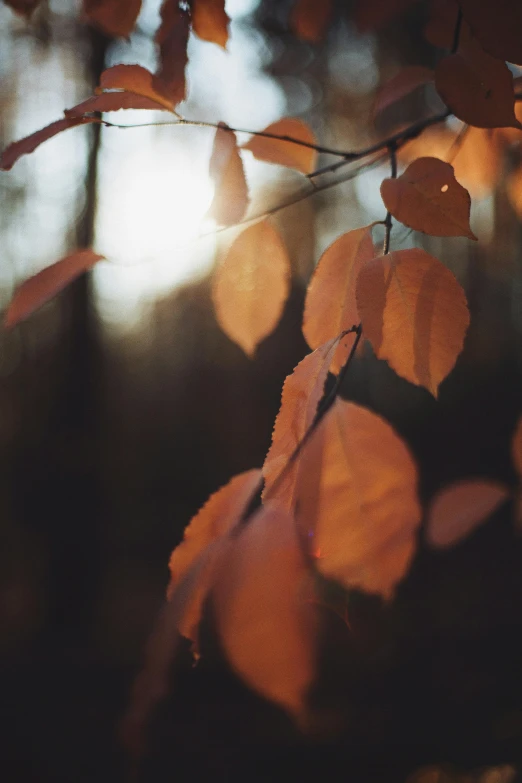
(456,34)
(388,219)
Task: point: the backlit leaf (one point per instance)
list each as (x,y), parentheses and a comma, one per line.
(252,285)
(210,21)
(172,38)
(497,26)
(477,88)
(23,7)
(357,498)
(132,79)
(226,170)
(114,101)
(415,314)
(405,82)
(220,514)
(458,509)
(37,290)
(428,198)
(283,152)
(267,628)
(309,19)
(302,391)
(514,190)
(28,144)
(113,17)
(331,306)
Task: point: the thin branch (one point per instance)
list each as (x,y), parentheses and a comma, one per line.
(456,34)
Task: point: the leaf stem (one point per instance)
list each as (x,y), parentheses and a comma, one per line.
(456,34)
(388,219)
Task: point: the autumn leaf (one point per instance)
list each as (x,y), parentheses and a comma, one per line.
(23,7)
(497,26)
(302,391)
(477,88)
(37,290)
(28,144)
(113,101)
(414,313)
(267,628)
(226,170)
(309,19)
(357,499)
(172,38)
(280,150)
(458,509)
(331,306)
(252,285)
(210,21)
(373,14)
(132,79)
(404,83)
(220,514)
(114,17)
(428,198)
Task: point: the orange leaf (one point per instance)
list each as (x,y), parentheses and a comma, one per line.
(113,101)
(283,152)
(405,82)
(252,285)
(267,628)
(45,284)
(497,26)
(458,509)
(28,144)
(309,19)
(357,497)
(428,198)
(23,7)
(330,306)
(477,88)
(132,79)
(220,514)
(172,37)
(414,313)
(516,448)
(302,391)
(226,170)
(113,17)
(210,21)
(514,190)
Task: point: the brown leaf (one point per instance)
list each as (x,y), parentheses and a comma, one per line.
(210,21)
(114,17)
(302,391)
(37,290)
(284,152)
(414,313)
(23,7)
(405,82)
(373,14)
(28,144)
(267,628)
(132,79)
(172,37)
(477,88)
(428,198)
(357,498)
(226,170)
(440,29)
(220,514)
(252,285)
(309,20)
(114,101)
(497,26)
(330,306)
(458,509)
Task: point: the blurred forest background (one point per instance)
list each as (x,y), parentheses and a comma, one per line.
(122,406)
